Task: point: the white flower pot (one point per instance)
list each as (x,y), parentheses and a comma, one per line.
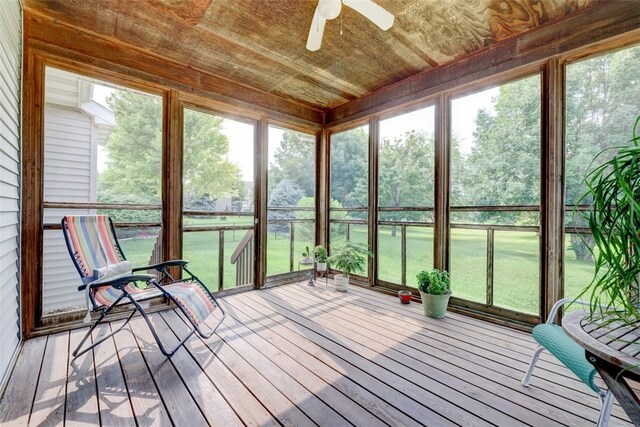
(321,266)
(342,282)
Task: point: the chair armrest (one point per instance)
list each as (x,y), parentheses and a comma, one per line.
(172,263)
(560,303)
(119,282)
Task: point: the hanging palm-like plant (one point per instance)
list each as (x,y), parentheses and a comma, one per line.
(614,221)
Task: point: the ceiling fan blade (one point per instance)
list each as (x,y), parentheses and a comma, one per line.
(314,41)
(373,12)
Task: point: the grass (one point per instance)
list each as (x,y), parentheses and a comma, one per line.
(516,260)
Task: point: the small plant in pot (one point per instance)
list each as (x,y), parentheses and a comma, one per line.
(306,256)
(435,291)
(349,258)
(320,252)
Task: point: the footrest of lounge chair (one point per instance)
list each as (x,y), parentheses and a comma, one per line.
(192,299)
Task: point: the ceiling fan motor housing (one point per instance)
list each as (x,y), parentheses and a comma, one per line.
(329,9)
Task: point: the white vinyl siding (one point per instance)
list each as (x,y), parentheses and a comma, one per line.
(70,139)
(10,75)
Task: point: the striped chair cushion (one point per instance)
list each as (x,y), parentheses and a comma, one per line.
(106,295)
(93,243)
(193,299)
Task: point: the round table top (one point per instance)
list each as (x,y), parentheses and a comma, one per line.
(613,341)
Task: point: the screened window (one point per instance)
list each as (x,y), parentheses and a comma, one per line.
(218,193)
(349,186)
(602,104)
(495,195)
(406,174)
(102,155)
(291,179)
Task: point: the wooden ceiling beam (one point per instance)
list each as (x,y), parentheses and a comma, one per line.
(67,41)
(589,26)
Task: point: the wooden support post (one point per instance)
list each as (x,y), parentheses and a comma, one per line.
(31,234)
(322,189)
(552,187)
(374,134)
(261,159)
(403,251)
(220,260)
(292,247)
(172,179)
(490,248)
(441,220)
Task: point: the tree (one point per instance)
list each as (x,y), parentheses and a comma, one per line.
(286,194)
(307,231)
(406,176)
(294,160)
(349,165)
(602,103)
(134,163)
(207,170)
(503,167)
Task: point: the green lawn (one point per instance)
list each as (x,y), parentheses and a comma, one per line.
(516,260)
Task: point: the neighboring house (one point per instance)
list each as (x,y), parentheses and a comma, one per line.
(75,126)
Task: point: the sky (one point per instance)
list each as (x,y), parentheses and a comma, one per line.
(463,114)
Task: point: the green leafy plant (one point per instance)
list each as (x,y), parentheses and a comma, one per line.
(350,258)
(321,254)
(434,282)
(613,216)
(306,253)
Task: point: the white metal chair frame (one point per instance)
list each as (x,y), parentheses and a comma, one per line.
(605,396)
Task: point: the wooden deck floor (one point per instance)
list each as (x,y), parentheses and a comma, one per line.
(295,355)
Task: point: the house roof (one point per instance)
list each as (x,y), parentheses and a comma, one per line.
(261,43)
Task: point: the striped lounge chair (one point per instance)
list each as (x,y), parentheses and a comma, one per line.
(109,280)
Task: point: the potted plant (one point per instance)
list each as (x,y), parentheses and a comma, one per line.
(320,253)
(435,292)
(306,256)
(613,196)
(349,258)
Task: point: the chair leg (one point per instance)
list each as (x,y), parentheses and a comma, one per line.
(532,364)
(76,352)
(605,412)
(155,334)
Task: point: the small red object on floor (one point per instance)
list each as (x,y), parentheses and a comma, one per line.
(405,296)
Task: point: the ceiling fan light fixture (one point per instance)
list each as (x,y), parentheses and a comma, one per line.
(329,9)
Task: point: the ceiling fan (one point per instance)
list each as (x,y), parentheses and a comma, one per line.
(330,9)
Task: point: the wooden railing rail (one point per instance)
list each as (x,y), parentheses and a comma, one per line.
(156,253)
(243,258)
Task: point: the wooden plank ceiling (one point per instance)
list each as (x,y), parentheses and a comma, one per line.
(261,43)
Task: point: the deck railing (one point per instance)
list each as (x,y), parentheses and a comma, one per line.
(246,272)
(243,255)
(403,226)
(243,258)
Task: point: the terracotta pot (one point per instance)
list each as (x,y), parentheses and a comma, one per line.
(405,296)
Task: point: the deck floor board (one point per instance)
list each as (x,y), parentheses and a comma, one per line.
(295,356)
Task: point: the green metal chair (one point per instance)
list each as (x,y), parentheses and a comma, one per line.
(551,336)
